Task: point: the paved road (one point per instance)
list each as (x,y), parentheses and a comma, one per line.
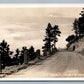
(62,64)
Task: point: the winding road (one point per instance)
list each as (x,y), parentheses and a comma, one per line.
(62,64)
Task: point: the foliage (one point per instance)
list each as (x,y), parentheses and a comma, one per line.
(21,58)
(5,53)
(31,53)
(51,37)
(78,25)
(76,28)
(70,39)
(48,38)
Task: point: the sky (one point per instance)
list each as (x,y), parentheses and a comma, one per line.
(26,26)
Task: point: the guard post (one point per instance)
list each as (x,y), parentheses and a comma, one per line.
(25,57)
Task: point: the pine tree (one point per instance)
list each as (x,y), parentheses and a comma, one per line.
(47,46)
(56,32)
(21,59)
(17,53)
(31,53)
(16,59)
(51,38)
(76,28)
(5,53)
(81,23)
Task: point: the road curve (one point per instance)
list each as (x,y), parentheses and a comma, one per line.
(62,64)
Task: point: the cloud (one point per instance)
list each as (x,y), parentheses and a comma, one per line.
(55,15)
(26,26)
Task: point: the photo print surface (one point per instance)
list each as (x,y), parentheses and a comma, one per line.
(41,42)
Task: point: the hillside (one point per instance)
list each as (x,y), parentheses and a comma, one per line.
(79,46)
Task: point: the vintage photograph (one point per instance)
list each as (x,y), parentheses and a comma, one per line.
(41,41)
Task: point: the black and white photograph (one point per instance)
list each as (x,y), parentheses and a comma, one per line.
(41,41)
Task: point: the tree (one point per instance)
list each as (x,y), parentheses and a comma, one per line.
(51,38)
(70,39)
(17,53)
(56,32)
(81,23)
(31,53)
(21,58)
(16,57)
(5,53)
(47,46)
(76,28)
(38,53)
